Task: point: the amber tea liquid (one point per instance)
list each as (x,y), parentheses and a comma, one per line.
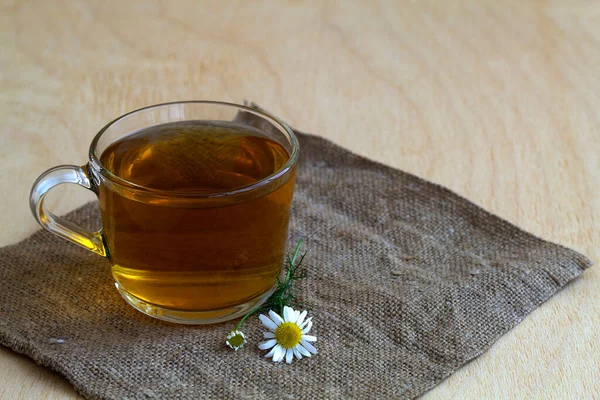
(208,253)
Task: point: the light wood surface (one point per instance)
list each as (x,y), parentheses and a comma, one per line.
(497,100)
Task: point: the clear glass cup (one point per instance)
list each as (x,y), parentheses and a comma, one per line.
(184,257)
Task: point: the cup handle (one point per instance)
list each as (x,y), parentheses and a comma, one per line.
(92,241)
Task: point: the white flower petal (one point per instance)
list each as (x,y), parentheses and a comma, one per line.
(297,353)
(302,350)
(309,338)
(307,327)
(275,317)
(267,322)
(279,353)
(308,346)
(301,317)
(271,353)
(267,344)
(268,335)
(289,356)
(288,313)
(306,322)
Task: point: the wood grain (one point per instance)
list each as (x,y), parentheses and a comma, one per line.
(496,100)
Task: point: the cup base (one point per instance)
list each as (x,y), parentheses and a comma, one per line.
(192,317)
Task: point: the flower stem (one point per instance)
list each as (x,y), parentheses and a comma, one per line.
(276,299)
(239,325)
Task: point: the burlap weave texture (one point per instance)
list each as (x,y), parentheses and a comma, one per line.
(407,282)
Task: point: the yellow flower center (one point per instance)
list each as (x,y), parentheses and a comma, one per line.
(288,335)
(236,341)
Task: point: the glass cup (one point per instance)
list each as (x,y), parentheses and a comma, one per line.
(192,257)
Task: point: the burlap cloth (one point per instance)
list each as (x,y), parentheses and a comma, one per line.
(408,282)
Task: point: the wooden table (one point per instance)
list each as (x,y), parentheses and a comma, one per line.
(499,101)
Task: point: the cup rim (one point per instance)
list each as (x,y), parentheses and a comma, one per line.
(131,186)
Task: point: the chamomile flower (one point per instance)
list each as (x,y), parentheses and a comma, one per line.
(236,339)
(287,337)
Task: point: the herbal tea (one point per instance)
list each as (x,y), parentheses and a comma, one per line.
(208,253)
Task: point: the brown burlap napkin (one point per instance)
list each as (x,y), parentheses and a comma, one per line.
(408,281)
